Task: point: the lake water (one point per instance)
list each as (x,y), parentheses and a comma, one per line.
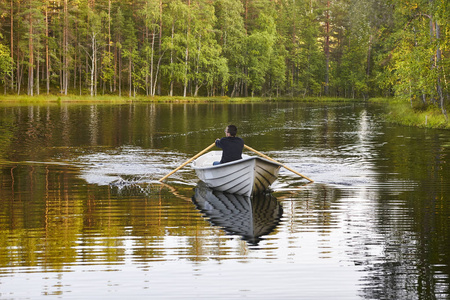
(83,216)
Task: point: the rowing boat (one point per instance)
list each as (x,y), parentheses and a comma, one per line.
(247,176)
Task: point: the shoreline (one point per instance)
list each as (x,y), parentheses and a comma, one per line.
(401,112)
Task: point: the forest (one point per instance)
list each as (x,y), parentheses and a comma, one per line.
(233,48)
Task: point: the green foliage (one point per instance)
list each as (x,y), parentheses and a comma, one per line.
(419,59)
(231,37)
(107,66)
(5,62)
(260,49)
(286,48)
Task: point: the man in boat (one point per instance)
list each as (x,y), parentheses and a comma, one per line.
(231,145)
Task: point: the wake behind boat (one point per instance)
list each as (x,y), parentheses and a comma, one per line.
(247,176)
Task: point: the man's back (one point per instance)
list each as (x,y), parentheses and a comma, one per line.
(232,148)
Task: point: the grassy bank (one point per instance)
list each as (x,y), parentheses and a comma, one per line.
(401,112)
(114,99)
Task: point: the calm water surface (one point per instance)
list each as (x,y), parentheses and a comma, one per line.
(82,214)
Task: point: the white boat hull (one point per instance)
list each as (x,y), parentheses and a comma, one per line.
(247,176)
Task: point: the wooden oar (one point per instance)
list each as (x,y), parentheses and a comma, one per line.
(189,160)
(271,159)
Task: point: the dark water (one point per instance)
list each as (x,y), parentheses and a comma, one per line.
(82,214)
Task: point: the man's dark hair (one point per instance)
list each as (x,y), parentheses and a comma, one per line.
(232,130)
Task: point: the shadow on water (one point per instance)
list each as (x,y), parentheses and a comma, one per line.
(251,218)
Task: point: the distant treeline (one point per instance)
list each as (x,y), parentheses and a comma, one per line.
(296,48)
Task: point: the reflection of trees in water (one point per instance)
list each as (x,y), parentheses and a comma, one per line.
(404,269)
(410,222)
(50,218)
(412,262)
(6,136)
(250,218)
(401,245)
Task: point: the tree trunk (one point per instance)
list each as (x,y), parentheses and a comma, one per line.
(186,60)
(37,71)
(369,52)
(30,57)
(92,65)
(186,71)
(197,71)
(438,60)
(245,85)
(327,49)
(116,62)
(160,40)
(129,74)
(120,73)
(156,75)
(65,49)
(47,63)
(148,70)
(19,72)
(95,69)
(152,91)
(75,65)
(60,69)
(109,40)
(171,62)
(79,74)
(12,47)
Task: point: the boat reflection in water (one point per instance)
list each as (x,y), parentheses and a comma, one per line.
(249,217)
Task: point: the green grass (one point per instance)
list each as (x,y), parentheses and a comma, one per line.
(418,115)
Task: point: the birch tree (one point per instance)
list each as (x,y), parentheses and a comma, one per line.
(129,51)
(175,42)
(151,15)
(231,38)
